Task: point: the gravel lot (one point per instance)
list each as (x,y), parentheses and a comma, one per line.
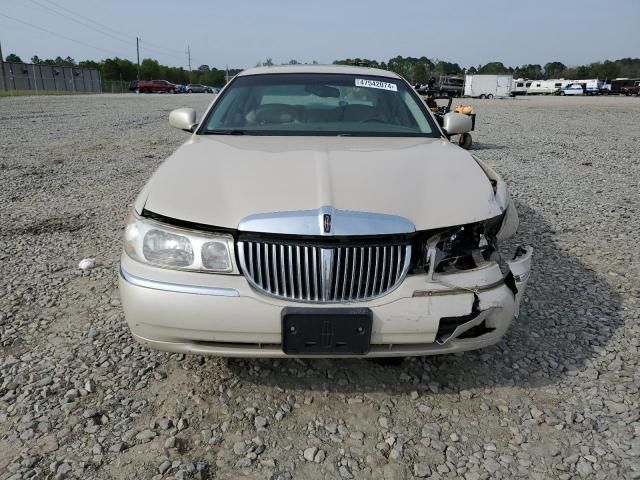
(557,398)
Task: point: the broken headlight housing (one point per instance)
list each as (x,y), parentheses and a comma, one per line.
(463,247)
(162,245)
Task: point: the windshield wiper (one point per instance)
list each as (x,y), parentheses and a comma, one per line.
(224,132)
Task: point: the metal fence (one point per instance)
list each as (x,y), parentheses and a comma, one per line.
(48,78)
(115,86)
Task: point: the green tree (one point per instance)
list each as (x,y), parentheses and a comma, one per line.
(528,71)
(447,68)
(493,68)
(605,70)
(554,69)
(583,72)
(12,57)
(149,69)
(204,68)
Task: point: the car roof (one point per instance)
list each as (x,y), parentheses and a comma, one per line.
(336,69)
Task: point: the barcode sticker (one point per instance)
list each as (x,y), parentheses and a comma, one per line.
(363,82)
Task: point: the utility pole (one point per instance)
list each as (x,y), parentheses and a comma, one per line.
(2,81)
(189,56)
(138,51)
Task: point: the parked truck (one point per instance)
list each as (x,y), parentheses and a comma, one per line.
(449,85)
(155,86)
(619,85)
(488,86)
(631,89)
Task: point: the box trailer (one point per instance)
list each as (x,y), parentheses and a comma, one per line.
(488,86)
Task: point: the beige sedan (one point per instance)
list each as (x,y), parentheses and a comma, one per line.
(320,211)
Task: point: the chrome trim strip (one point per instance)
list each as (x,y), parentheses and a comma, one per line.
(176,287)
(311,223)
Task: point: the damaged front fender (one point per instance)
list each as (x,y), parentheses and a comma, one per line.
(520,270)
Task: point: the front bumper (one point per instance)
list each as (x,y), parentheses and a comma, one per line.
(222,315)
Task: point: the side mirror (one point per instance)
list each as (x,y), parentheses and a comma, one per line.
(454,123)
(183,119)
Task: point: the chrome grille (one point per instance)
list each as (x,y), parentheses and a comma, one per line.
(323,273)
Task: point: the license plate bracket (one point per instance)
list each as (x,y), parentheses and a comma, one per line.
(326,331)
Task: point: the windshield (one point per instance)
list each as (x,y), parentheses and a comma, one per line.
(319,104)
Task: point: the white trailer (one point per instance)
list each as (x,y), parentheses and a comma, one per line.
(519,86)
(488,86)
(547,87)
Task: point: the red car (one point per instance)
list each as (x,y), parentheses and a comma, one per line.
(157,86)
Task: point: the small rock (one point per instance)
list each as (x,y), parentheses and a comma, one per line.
(260,422)
(164,466)
(320,456)
(310,453)
(182,424)
(145,436)
(165,423)
(421,470)
(385,422)
(239,448)
(87,264)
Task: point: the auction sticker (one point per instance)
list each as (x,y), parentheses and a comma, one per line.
(363,82)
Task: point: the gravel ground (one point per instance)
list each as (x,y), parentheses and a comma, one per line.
(556,398)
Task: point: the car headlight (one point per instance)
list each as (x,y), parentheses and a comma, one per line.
(166,246)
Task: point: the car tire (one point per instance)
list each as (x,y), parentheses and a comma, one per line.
(136,90)
(189,91)
(490,96)
(482,96)
(146,90)
(465,141)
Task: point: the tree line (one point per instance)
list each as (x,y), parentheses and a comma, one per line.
(121,69)
(415,70)
(420,70)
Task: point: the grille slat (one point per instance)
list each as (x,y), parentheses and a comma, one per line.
(299,272)
(267,273)
(384,269)
(323,274)
(259,264)
(337,272)
(306,271)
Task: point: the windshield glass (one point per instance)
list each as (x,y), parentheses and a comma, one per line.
(319,104)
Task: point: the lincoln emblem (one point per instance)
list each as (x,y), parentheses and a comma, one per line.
(326,222)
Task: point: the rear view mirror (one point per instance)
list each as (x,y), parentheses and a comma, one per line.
(184,119)
(456,123)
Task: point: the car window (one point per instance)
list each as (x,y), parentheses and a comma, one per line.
(319,104)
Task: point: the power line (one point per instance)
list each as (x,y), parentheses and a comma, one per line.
(55,34)
(80,22)
(117,32)
(159,50)
(88,19)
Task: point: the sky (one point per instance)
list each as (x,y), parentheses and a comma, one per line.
(241,33)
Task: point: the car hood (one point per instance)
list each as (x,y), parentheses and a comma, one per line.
(218,180)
